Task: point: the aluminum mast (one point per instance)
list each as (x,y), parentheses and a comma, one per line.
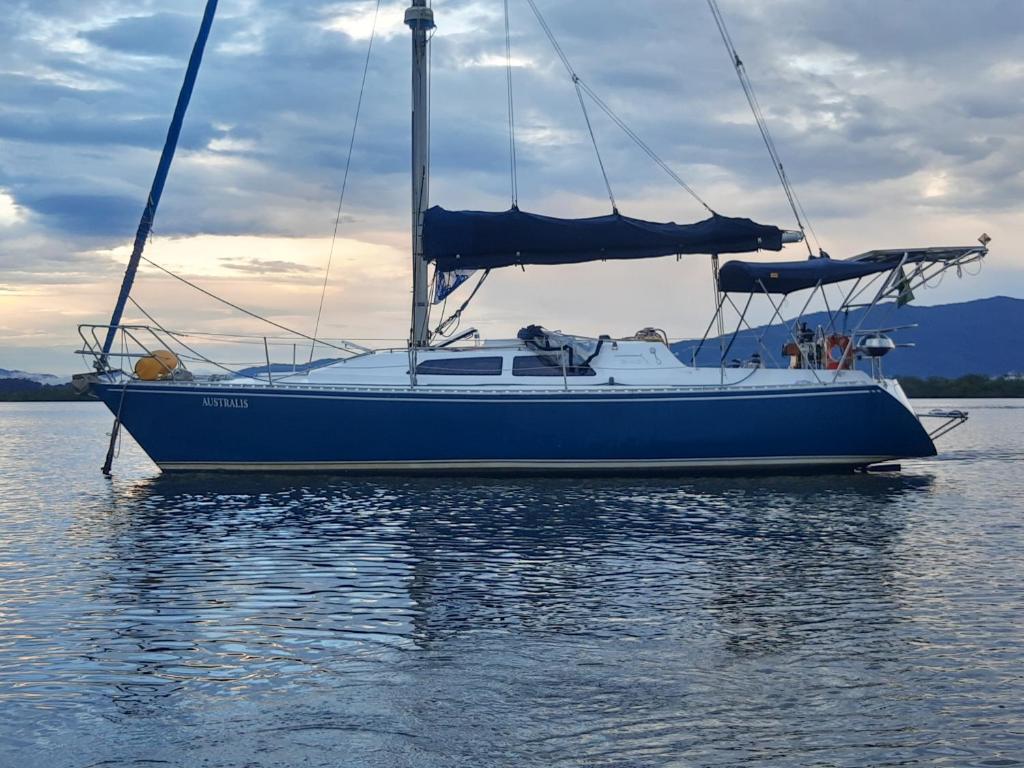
(420,19)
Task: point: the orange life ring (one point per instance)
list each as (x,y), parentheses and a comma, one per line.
(838,353)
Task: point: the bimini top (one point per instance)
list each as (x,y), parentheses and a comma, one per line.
(790,276)
(467,240)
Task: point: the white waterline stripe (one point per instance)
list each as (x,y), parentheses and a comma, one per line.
(559,464)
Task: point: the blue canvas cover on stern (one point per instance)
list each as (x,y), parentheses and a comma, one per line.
(789,276)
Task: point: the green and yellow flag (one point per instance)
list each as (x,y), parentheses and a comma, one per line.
(906,295)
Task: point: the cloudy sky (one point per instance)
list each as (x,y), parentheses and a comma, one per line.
(901,123)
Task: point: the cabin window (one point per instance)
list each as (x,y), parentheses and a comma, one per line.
(468,365)
(535,365)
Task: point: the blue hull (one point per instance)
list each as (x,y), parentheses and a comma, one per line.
(206,427)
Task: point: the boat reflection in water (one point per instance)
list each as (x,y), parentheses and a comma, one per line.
(392,608)
(464,553)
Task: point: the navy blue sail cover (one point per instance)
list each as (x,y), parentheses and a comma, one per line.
(790,276)
(467,240)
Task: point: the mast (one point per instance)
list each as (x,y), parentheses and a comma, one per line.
(149,213)
(420,20)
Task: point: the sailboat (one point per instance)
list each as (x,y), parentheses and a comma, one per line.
(544,401)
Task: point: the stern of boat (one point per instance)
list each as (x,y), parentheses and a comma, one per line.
(931,424)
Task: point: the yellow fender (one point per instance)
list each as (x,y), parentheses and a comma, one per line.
(159,365)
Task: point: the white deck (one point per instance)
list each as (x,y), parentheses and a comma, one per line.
(628,364)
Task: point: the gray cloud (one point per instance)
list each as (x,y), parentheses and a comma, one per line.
(84,214)
(884,114)
(664,70)
(265,266)
(159,34)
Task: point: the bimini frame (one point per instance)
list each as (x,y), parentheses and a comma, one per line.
(900,273)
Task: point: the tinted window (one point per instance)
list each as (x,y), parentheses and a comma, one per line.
(468,365)
(535,365)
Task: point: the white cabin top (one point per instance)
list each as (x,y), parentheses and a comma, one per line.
(513,363)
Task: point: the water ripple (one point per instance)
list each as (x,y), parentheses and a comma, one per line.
(222,621)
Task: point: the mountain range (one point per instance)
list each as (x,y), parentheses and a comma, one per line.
(949,340)
(39,378)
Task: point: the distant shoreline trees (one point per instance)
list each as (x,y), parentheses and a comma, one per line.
(28,391)
(972,385)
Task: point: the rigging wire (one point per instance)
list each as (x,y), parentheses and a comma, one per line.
(198,355)
(762,125)
(239,338)
(448,326)
(243,310)
(579,84)
(511,112)
(644,146)
(593,140)
(576,84)
(344,178)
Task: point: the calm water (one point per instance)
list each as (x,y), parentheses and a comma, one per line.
(840,621)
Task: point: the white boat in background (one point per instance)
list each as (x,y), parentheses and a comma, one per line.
(544,401)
